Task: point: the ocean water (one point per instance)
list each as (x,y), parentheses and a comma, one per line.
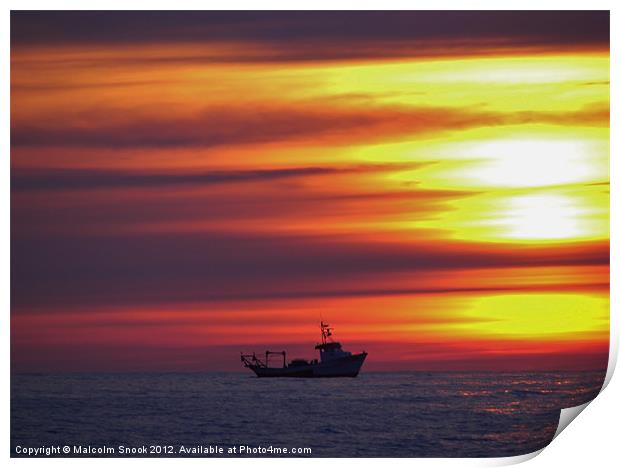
(413,414)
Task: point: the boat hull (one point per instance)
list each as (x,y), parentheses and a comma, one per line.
(344,367)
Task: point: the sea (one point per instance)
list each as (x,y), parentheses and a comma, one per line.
(406,414)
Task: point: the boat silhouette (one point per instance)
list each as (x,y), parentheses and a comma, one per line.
(333,361)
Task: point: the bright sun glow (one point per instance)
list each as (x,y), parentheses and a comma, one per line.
(537,315)
(546,216)
(523,162)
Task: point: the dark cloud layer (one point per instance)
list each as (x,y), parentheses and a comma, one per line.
(556,28)
(191,267)
(233,126)
(68,179)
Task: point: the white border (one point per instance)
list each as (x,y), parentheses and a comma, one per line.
(591,441)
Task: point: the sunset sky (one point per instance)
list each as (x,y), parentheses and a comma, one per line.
(189,185)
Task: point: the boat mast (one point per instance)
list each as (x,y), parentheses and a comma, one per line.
(326,332)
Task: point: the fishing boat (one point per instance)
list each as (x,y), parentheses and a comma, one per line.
(333,361)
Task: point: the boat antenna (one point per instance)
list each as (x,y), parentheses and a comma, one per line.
(326,332)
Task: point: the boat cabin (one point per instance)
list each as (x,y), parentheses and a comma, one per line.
(331,350)
(328,349)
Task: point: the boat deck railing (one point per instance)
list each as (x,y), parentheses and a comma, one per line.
(251,360)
